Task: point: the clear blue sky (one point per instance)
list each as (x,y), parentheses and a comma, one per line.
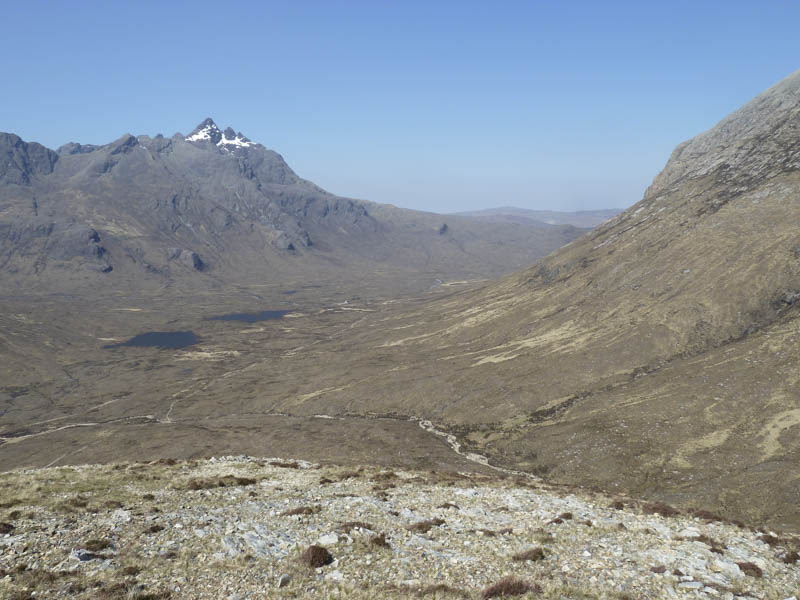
(431,105)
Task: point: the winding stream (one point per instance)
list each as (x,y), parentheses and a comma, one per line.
(455,445)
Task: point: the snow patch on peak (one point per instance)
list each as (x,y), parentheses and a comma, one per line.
(207,131)
(228,140)
(237,140)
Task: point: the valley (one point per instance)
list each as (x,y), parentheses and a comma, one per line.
(655,355)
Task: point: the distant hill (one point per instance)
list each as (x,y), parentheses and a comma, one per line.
(581,218)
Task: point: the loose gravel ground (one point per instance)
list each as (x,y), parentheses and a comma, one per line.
(240,528)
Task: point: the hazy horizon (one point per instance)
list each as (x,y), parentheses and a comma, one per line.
(445,107)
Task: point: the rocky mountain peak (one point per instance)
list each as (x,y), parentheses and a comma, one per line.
(207,130)
(226,140)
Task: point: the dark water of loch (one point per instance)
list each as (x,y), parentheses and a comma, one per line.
(264,315)
(159,339)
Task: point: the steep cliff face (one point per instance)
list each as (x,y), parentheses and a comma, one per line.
(20,163)
(759,141)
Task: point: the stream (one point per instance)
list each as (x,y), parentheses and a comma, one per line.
(455,445)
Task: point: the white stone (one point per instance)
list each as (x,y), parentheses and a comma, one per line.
(328,539)
(689,532)
(690,585)
(729,569)
(335,576)
(121,516)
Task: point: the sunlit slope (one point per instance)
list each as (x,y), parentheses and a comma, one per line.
(657,352)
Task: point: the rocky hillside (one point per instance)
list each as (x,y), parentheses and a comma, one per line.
(273,528)
(213,207)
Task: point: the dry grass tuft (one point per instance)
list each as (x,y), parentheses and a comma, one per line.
(660,508)
(791,557)
(509,586)
(315,557)
(382,487)
(769,540)
(96,545)
(348,526)
(542,536)
(442,589)
(151,596)
(300,510)
(709,541)
(73,505)
(218,482)
(751,569)
(707,515)
(716,546)
(532,554)
(285,464)
(425,526)
(130,591)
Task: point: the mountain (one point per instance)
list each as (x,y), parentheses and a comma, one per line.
(656,356)
(214,208)
(580,218)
